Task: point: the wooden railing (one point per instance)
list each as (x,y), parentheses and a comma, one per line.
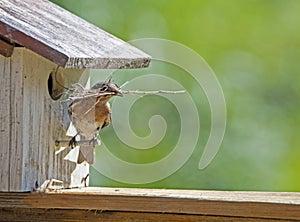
(111,204)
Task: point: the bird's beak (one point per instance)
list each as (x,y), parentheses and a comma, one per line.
(118,92)
(114,89)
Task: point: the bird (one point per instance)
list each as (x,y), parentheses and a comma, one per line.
(90,115)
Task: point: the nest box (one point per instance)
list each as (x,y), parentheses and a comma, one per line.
(37,37)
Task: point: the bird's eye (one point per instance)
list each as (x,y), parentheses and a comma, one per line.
(104,88)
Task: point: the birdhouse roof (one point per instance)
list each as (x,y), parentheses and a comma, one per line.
(63,37)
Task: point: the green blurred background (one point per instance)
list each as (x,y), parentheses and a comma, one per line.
(253,46)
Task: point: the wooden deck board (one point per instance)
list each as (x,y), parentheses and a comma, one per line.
(218,204)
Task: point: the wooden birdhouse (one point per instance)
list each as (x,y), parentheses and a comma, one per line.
(43,50)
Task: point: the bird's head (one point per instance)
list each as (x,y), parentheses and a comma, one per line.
(108,86)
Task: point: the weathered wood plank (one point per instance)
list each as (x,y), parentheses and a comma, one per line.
(259,205)
(4,122)
(33,214)
(239,196)
(16,120)
(64,38)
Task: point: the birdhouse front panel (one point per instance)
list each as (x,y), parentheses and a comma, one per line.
(32,121)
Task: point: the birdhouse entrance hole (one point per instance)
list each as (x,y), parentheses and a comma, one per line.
(55,84)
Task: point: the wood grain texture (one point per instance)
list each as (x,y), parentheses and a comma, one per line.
(217,205)
(64,38)
(34,214)
(11,88)
(16,120)
(5,116)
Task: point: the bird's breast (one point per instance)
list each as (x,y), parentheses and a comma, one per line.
(89,115)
